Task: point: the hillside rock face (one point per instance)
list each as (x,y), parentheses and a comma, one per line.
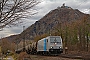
(49,21)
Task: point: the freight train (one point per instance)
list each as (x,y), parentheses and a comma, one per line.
(47,45)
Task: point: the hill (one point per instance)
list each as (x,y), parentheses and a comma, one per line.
(47,23)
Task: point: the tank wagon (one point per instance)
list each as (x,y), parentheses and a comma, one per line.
(50,44)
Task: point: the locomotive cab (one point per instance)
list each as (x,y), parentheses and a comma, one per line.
(56,45)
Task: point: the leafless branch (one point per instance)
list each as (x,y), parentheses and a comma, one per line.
(12,11)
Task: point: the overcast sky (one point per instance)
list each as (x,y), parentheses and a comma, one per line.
(43,8)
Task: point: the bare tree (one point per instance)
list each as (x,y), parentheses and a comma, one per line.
(11,11)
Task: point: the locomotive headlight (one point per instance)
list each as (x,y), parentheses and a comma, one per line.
(55,43)
(51,47)
(60,47)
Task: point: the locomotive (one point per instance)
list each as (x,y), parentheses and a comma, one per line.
(47,45)
(50,44)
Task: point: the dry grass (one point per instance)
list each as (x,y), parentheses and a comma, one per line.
(24,55)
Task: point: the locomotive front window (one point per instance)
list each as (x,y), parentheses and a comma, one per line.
(55,40)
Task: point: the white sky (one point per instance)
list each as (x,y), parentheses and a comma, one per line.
(43,8)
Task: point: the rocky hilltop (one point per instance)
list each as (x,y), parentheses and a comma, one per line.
(49,21)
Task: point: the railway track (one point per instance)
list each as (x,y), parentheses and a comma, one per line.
(76,56)
(40,57)
(71,56)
